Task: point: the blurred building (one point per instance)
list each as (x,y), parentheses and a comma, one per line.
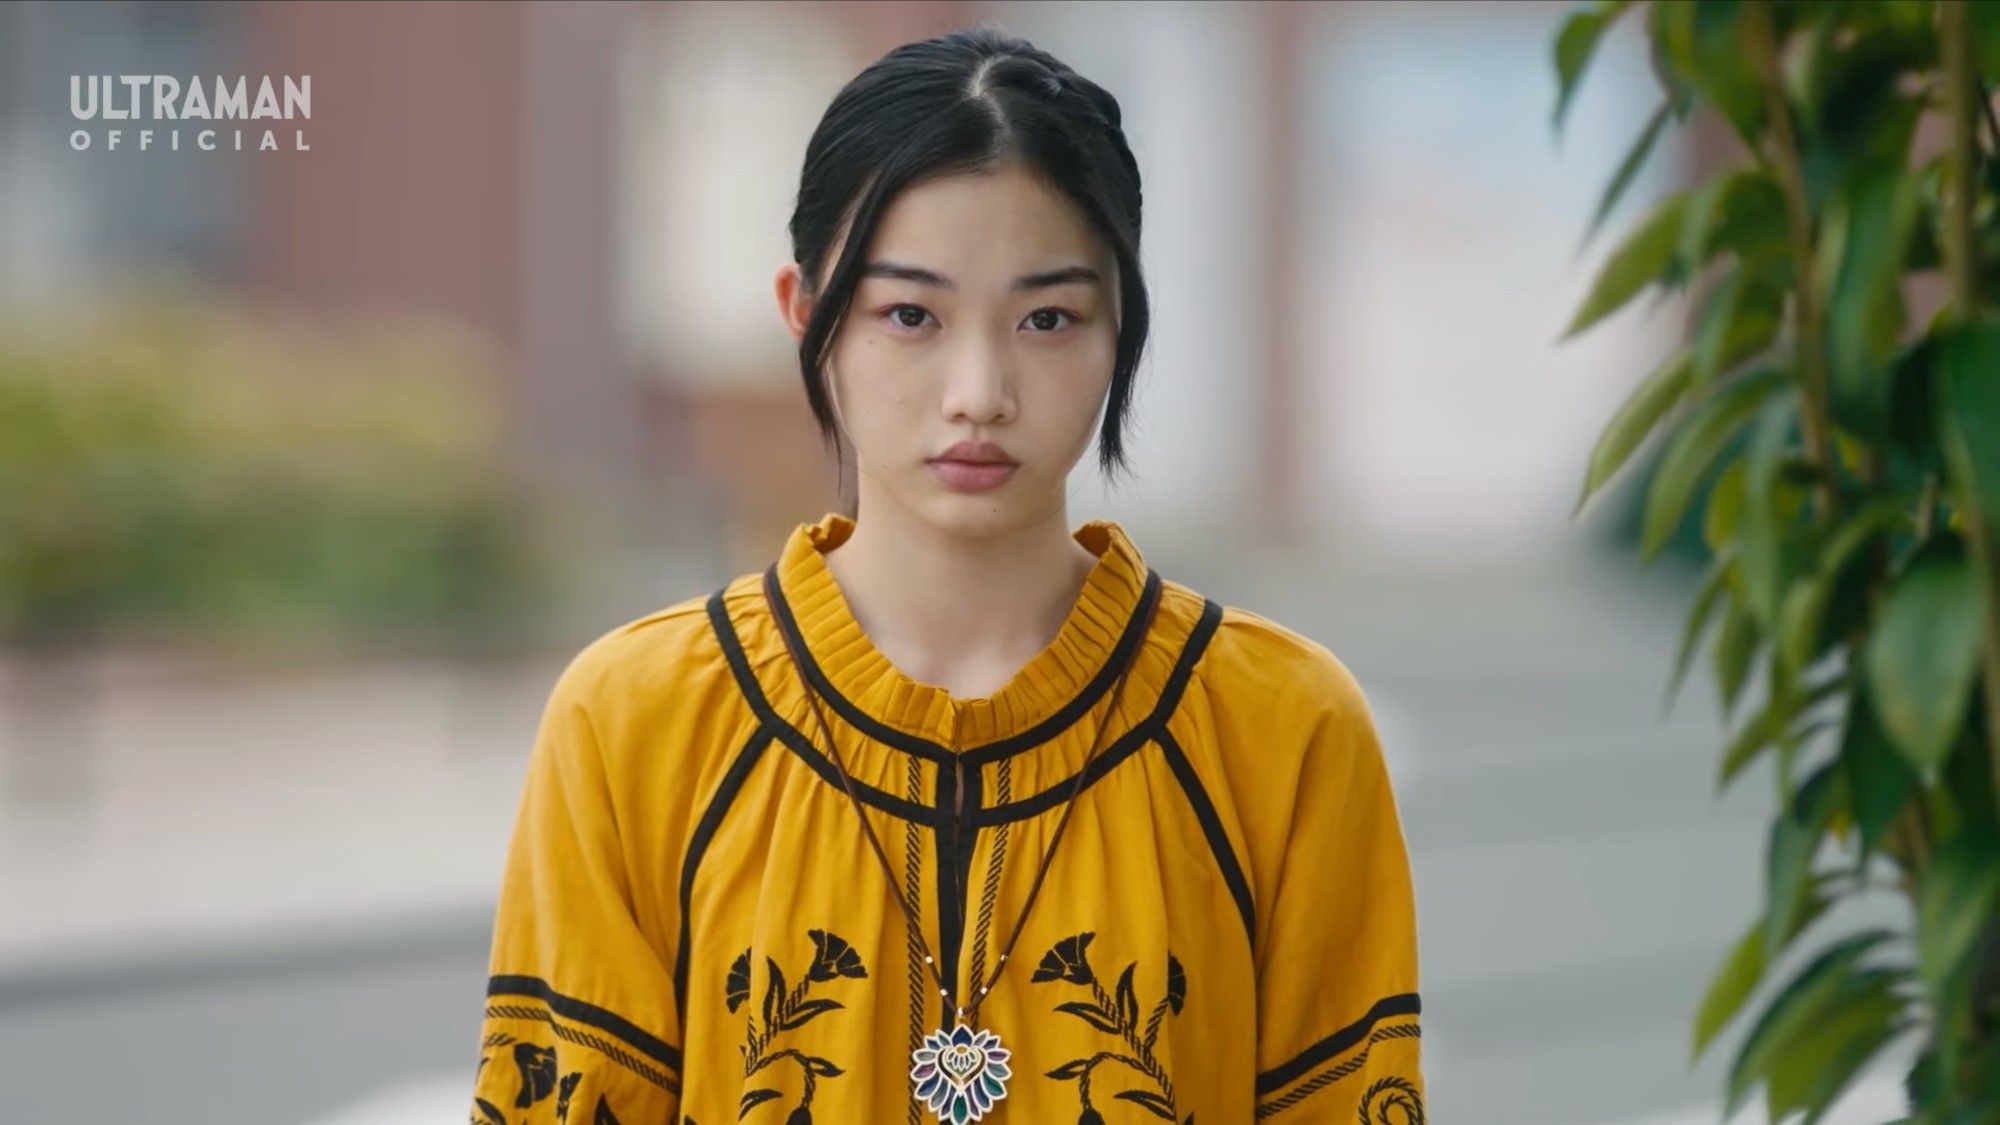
(1357,279)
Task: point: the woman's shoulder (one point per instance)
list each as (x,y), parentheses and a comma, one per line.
(1259,665)
(655,681)
(1282,727)
(642,655)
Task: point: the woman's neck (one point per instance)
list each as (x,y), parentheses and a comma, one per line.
(961,613)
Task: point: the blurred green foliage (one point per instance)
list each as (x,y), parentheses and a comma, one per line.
(179,468)
(1840,458)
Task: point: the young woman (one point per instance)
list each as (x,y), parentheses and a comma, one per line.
(955,813)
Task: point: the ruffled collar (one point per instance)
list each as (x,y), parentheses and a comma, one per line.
(1069,674)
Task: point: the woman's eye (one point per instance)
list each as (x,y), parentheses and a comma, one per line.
(909,316)
(1048,320)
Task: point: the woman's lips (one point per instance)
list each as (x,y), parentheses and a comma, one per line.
(972,476)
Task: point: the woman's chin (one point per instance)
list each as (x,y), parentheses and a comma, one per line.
(978,515)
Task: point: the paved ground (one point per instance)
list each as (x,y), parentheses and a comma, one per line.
(274,910)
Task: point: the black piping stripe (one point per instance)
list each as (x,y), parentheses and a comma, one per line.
(1278,1077)
(1211,826)
(1147,729)
(797,743)
(711,819)
(578,1011)
(1126,648)
(1118,751)
(954,873)
(1122,654)
(1342,1069)
(1121,748)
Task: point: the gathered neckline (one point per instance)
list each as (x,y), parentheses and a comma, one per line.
(862,682)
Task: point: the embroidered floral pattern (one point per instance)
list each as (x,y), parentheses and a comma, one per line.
(538,1073)
(787,1008)
(537,1067)
(1116,1013)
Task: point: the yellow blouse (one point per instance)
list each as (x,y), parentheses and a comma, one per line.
(692,926)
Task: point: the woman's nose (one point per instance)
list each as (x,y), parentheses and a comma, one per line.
(979,383)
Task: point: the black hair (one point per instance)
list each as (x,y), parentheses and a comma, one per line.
(969,101)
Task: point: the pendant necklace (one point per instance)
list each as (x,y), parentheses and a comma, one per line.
(960,1074)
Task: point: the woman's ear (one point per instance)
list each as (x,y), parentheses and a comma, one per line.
(794,303)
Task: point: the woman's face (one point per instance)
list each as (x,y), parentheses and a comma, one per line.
(987,314)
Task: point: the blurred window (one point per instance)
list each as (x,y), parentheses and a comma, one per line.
(77,222)
(717,104)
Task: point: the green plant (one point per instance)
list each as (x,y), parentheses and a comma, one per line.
(179,466)
(1844,464)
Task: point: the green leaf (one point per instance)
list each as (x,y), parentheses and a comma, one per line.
(1713,585)
(1739,318)
(1879,780)
(1757,732)
(1764,529)
(1857,105)
(1706,45)
(1983,21)
(1969,390)
(1860,528)
(1804,610)
(1628,168)
(1829,981)
(1795,839)
(1642,411)
(1968,776)
(1703,202)
(1575,44)
(1955,899)
(1694,448)
(1730,987)
(1985,1111)
(1913,411)
(1725,507)
(1810,1071)
(1799,617)
(1646,255)
(1741,211)
(1680,95)
(1864,310)
(1924,654)
(1744,968)
(1765,728)
(1735,643)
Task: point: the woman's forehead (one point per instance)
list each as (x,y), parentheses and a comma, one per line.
(986,228)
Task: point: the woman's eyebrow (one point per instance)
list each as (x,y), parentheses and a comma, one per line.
(1067,275)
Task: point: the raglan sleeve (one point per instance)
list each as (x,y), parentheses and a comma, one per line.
(580,1021)
(1338,1007)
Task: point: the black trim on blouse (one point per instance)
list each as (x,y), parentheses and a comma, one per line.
(1211,827)
(704,832)
(1146,730)
(1284,1074)
(1079,706)
(583,1012)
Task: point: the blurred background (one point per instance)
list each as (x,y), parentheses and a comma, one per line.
(318,462)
